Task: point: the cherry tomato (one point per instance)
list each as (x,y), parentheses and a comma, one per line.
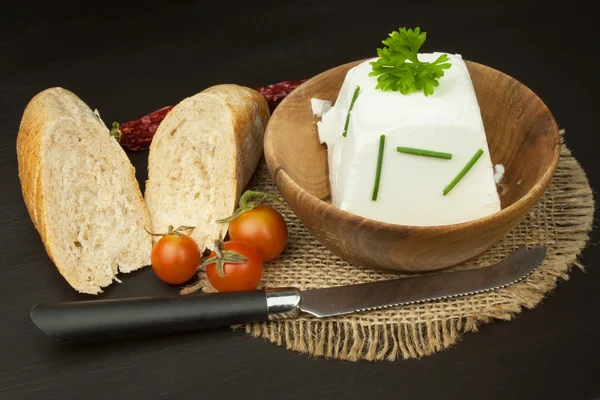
(264,228)
(175,258)
(237,277)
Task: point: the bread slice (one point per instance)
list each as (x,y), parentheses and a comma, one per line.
(202,157)
(81,192)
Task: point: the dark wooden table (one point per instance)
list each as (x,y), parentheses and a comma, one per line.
(127,60)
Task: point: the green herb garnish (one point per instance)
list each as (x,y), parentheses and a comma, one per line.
(463,172)
(379,163)
(399,68)
(423,152)
(354,96)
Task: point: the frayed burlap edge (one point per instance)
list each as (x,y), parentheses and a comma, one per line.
(561,220)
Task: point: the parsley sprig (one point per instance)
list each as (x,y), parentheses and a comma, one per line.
(399,69)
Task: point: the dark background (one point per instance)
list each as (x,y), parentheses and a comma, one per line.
(127,59)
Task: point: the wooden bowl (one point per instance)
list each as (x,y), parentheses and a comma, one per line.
(521,133)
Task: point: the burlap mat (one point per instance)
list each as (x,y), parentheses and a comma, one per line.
(562,221)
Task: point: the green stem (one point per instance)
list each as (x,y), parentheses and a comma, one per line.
(423,152)
(463,172)
(248,194)
(115,131)
(379,164)
(246,204)
(354,96)
(171,231)
(225,257)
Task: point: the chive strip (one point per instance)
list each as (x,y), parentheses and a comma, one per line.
(463,172)
(379,163)
(423,152)
(354,96)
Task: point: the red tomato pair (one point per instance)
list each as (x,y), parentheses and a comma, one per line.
(257,235)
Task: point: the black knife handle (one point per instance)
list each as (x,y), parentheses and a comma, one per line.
(124,318)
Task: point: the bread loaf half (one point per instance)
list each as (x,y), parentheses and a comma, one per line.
(202,157)
(81,192)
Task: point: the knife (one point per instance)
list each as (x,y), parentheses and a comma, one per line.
(95,320)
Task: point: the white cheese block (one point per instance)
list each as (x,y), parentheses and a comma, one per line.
(411,186)
(498,173)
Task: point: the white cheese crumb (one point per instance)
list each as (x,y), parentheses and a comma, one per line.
(498,173)
(319,107)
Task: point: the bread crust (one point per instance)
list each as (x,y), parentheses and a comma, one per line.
(250,113)
(39,118)
(29,148)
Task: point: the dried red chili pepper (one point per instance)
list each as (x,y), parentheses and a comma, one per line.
(276,92)
(137,134)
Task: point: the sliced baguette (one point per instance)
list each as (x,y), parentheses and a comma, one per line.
(202,157)
(81,192)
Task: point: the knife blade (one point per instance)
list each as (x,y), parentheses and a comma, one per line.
(94,320)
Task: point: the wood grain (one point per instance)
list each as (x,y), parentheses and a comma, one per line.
(521,133)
